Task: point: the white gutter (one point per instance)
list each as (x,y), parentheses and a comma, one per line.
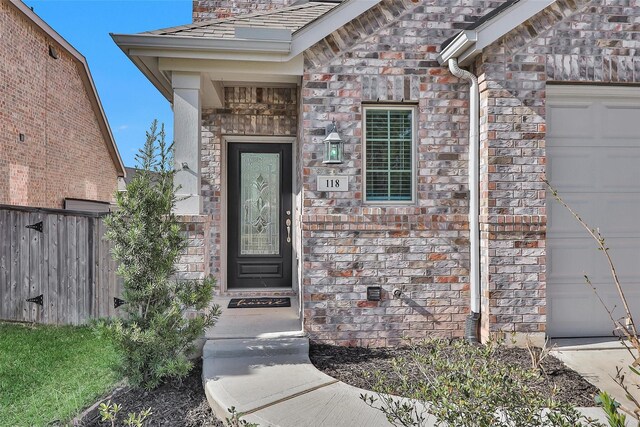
(469,43)
(461,51)
(474,212)
(461,43)
(155,41)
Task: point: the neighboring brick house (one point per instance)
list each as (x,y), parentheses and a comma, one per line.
(55,142)
(455,237)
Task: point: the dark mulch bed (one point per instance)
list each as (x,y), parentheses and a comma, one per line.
(184,403)
(172,404)
(351,365)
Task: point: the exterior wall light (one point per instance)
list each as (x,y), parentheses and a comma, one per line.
(333,146)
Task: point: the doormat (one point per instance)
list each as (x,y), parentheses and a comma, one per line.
(259,302)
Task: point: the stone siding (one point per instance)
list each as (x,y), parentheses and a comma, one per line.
(251,111)
(64,153)
(388,55)
(193,263)
(570,41)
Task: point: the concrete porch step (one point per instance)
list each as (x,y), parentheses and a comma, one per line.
(256,347)
(262,323)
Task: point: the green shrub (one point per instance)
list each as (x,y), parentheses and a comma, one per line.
(473,389)
(109,412)
(154,336)
(610,407)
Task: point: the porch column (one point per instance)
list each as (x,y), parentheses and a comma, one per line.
(186,134)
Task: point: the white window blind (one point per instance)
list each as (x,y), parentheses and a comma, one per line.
(389,154)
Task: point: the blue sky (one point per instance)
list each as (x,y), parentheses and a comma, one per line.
(129,100)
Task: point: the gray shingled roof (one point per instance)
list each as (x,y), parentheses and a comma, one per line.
(291,18)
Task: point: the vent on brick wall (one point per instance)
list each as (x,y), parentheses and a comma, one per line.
(53,52)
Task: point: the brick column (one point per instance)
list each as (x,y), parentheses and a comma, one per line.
(193,263)
(512,198)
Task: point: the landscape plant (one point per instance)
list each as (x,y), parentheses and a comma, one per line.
(235,420)
(154,336)
(473,389)
(109,412)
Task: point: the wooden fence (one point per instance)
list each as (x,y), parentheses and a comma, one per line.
(61,256)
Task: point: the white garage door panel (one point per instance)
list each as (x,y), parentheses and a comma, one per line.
(589,169)
(576,312)
(616,119)
(593,158)
(621,170)
(570,259)
(566,120)
(616,215)
(571,168)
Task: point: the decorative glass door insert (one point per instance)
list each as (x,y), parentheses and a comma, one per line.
(260,198)
(259,216)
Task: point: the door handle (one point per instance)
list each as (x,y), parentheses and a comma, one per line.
(288,224)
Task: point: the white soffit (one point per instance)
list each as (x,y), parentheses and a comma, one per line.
(469,43)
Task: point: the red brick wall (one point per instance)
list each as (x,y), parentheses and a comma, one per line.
(64,154)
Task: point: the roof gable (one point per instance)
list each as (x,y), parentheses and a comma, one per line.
(468,43)
(86,79)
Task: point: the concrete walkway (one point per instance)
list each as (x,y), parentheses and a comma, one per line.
(275,384)
(268,375)
(596,359)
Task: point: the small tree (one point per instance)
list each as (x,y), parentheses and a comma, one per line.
(154,336)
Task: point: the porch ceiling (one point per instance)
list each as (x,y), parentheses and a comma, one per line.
(213,84)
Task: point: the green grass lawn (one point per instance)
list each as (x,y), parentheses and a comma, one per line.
(51,373)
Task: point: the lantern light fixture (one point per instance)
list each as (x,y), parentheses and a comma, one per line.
(333,146)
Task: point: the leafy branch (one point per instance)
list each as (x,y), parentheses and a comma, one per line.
(629,328)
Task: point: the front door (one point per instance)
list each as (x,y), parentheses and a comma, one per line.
(259,216)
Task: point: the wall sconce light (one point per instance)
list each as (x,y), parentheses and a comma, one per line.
(185,166)
(333,146)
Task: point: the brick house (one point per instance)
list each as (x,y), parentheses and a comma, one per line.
(56,146)
(450,112)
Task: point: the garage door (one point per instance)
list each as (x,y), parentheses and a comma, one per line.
(593,159)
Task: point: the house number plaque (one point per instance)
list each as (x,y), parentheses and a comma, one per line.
(333,183)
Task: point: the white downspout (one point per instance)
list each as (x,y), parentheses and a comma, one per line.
(471,328)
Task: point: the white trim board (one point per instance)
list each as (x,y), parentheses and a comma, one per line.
(469,43)
(145,50)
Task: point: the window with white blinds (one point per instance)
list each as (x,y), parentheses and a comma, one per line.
(388,142)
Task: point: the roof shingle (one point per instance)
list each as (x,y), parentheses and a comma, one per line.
(290,18)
